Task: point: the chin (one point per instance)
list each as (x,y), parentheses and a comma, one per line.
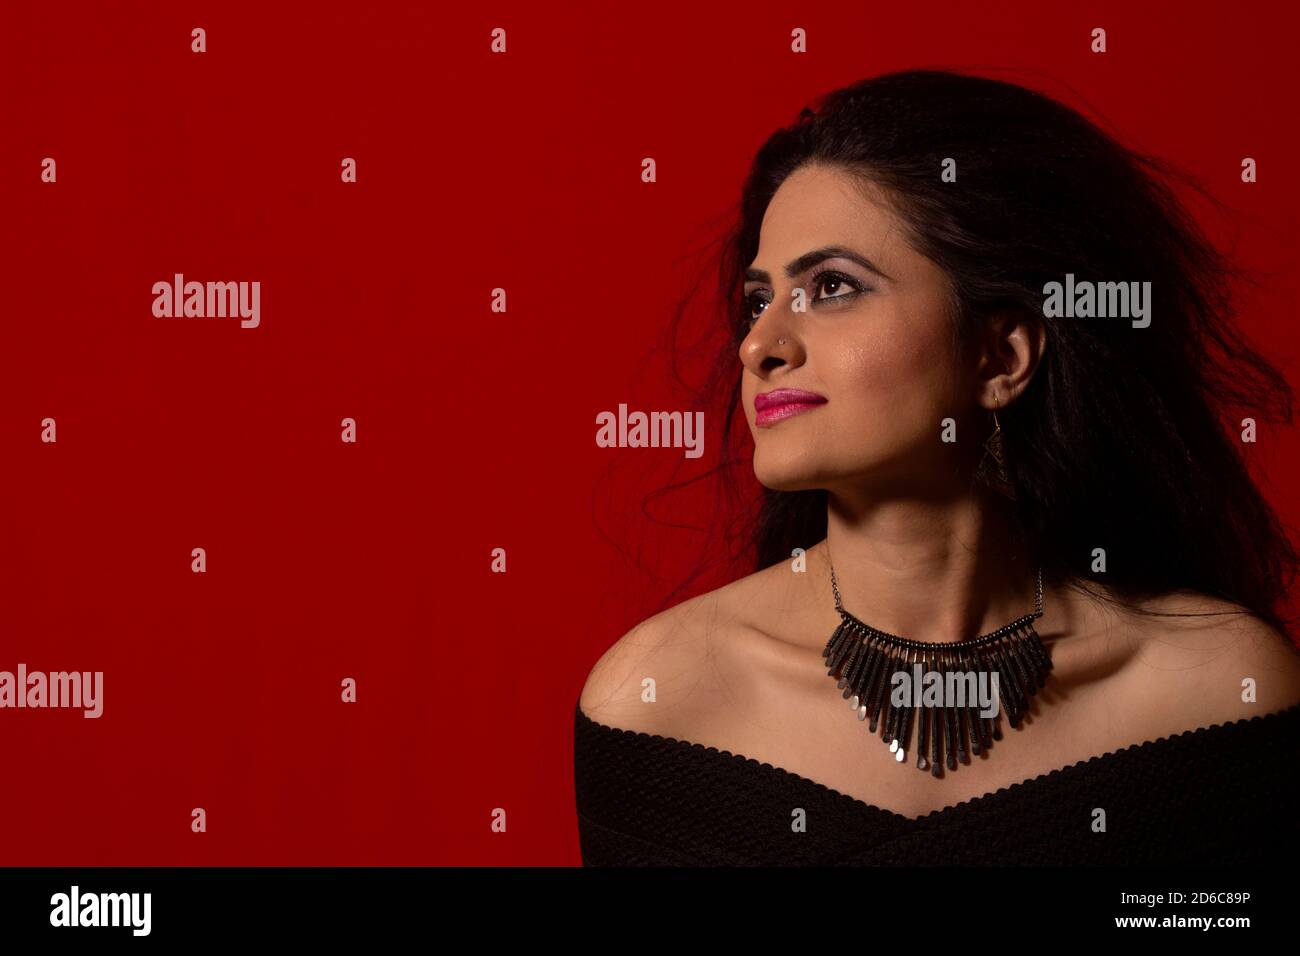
(773,485)
(789,477)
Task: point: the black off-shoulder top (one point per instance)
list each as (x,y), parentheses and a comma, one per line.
(1225,794)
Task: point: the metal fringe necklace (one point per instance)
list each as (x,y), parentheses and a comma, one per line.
(863,660)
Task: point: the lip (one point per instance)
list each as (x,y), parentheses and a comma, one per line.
(784,403)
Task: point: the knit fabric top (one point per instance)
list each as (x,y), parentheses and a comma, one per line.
(1223,794)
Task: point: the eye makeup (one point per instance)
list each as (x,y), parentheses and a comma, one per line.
(822,276)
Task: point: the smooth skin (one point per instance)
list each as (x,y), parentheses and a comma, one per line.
(916,551)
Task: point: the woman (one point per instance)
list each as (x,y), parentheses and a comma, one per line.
(995,396)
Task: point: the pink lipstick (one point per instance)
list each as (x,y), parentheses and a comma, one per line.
(782,403)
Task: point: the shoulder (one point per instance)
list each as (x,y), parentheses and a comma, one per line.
(659,674)
(1206,661)
(656,662)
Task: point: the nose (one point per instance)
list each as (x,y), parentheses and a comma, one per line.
(770,343)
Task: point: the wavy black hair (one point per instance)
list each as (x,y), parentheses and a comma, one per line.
(1126,438)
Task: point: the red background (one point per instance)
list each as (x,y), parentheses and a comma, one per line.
(476,429)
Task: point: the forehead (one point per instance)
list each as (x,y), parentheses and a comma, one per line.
(819,205)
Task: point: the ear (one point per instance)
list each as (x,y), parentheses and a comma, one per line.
(1011,348)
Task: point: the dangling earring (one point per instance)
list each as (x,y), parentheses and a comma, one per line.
(997,474)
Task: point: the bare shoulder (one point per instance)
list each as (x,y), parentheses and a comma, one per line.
(1209,661)
(657,678)
(665,649)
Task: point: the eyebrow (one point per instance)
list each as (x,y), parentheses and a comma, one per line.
(810,259)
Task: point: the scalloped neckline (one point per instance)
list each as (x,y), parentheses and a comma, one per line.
(1293,710)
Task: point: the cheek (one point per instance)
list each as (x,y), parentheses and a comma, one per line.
(900,376)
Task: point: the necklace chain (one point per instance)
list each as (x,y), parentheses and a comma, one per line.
(990,636)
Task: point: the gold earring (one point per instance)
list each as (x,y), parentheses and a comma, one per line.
(997,474)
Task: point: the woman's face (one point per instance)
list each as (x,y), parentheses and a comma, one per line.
(875,344)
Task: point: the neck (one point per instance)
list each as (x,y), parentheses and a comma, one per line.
(928,570)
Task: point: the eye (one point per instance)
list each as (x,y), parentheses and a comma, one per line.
(825,279)
(751,302)
(829,277)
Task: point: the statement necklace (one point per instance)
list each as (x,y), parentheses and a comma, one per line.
(865,661)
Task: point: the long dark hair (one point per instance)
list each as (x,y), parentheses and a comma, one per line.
(1125,438)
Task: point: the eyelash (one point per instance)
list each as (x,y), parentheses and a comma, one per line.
(814,282)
